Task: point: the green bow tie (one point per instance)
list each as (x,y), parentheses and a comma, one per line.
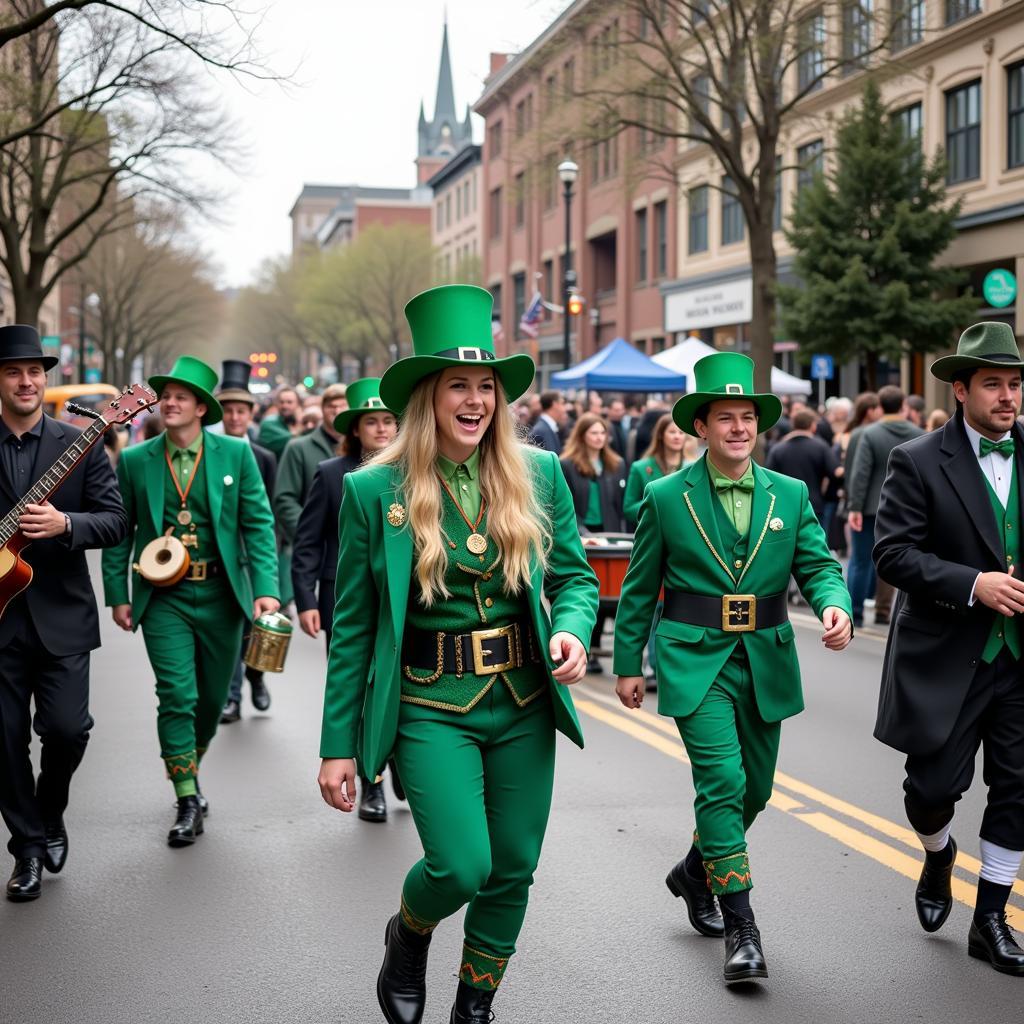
(745,484)
(1004,447)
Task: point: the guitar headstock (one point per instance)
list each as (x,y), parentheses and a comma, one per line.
(132,400)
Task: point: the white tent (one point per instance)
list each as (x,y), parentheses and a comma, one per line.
(682,357)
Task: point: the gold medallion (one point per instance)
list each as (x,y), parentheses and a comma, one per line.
(184,517)
(190,540)
(396,514)
(476,543)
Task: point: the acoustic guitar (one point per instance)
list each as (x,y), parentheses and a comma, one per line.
(15,572)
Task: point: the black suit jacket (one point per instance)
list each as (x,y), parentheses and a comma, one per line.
(934,532)
(267,465)
(60,599)
(315,550)
(611,487)
(544,437)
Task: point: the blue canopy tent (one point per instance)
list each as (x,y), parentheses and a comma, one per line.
(619,367)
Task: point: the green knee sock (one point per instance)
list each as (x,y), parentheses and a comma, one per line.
(185,787)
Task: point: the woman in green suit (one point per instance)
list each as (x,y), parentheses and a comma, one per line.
(665,454)
(442,653)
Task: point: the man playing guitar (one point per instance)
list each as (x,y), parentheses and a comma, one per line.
(48,629)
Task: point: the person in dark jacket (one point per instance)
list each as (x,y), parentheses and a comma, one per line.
(864,476)
(597,479)
(803,455)
(365,427)
(547,431)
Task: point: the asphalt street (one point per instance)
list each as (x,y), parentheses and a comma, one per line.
(277,914)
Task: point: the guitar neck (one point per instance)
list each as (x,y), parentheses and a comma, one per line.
(45,486)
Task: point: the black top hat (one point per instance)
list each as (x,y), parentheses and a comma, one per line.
(234,381)
(20,343)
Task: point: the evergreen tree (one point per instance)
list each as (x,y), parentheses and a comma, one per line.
(867,238)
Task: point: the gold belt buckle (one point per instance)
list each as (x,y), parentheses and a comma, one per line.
(478,636)
(739,613)
(197,572)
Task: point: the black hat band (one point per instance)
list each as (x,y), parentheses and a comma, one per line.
(467,354)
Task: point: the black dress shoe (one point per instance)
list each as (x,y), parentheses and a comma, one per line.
(26,882)
(993,941)
(56,847)
(260,693)
(700,903)
(744,959)
(402,982)
(189,824)
(231,713)
(934,897)
(396,780)
(372,805)
(472,1005)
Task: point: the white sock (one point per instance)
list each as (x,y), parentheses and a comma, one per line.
(998,865)
(936,843)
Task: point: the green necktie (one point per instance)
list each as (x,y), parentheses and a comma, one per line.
(1004,447)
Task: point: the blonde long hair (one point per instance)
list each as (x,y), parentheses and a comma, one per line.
(517,523)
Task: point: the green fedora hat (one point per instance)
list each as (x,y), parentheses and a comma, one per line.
(199,378)
(363,396)
(986,344)
(451,326)
(720,376)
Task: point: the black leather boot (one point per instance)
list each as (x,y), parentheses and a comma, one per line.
(260,693)
(744,958)
(933,899)
(56,847)
(189,824)
(993,941)
(472,1005)
(26,880)
(700,903)
(232,713)
(372,805)
(402,982)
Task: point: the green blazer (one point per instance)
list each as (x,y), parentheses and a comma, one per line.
(243,522)
(375,560)
(670,549)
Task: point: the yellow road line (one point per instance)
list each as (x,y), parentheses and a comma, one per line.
(654,732)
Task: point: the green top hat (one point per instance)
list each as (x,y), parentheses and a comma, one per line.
(363,396)
(986,344)
(721,376)
(451,326)
(199,378)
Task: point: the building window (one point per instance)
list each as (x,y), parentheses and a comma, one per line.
(963,132)
(1015,113)
(569,78)
(957,10)
(661,239)
(856,34)
(810,160)
(448,210)
(520,201)
(733,227)
(551,91)
(697,200)
(440,215)
(702,96)
(520,120)
(910,122)
(494,214)
(518,299)
(496,310)
(810,64)
(907,23)
(641,246)
(777,212)
(604,155)
(497,130)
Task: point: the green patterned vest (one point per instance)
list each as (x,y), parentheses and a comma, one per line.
(199,506)
(478,601)
(734,543)
(1004,629)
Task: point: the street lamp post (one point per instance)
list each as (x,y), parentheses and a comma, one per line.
(568,172)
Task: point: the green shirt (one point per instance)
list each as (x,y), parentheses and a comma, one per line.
(184,459)
(463,480)
(734,499)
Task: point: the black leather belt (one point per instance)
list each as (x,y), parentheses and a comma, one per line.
(211,569)
(481,652)
(733,613)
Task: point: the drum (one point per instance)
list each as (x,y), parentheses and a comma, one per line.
(163,561)
(268,642)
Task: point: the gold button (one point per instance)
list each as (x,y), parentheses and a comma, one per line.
(738,563)
(487,575)
(1009,558)
(488,602)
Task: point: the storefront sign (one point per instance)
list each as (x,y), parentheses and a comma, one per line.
(999,288)
(710,306)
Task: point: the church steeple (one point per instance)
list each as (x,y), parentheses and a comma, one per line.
(440,138)
(444,103)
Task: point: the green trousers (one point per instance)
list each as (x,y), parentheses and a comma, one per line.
(193,632)
(479,786)
(732,752)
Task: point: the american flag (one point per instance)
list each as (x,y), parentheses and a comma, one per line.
(532,316)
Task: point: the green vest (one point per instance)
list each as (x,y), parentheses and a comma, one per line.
(199,506)
(733,542)
(478,601)
(1004,629)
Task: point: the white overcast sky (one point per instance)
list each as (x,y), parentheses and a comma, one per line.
(350,117)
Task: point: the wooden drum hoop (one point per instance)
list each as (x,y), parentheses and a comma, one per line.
(164,561)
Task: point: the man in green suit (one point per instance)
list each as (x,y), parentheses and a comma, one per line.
(206,490)
(723,537)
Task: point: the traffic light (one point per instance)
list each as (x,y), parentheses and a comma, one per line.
(575,304)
